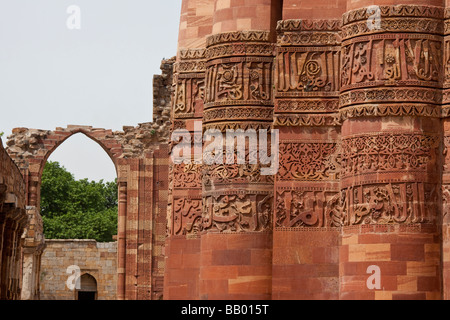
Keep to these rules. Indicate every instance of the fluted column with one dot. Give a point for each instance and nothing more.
(236, 241)
(391, 80)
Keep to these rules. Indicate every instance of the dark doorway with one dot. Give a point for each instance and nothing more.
(88, 288)
(86, 296)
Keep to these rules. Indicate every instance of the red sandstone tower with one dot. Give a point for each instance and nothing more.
(358, 208)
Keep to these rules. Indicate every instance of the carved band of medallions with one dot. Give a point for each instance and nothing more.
(188, 97)
(307, 72)
(391, 95)
(306, 120)
(392, 60)
(309, 39)
(303, 208)
(308, 161)
(238, 36)
(240, 49)
(237, 213)
(235, 81)
(307, 105)
(390, 110)
(389, 152)
(393, 203)
(237, 113)
(309, 25)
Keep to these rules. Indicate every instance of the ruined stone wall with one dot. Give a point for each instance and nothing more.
(140, 155)
(96, 259)
(13, 220)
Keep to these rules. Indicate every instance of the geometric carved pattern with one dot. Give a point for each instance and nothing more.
(388, 152)
(308, 161)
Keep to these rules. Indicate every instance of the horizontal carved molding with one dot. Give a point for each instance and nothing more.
(237, 113)
(378, 153)
(238, 36)
(390, 110)
(316, 38)
(309, 25)
(391, 95)
(295, 120)
(240, 49)
(428, 26)
(245, 125)
(320, 105)
(394, 11)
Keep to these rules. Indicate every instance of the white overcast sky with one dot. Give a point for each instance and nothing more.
(100, 75)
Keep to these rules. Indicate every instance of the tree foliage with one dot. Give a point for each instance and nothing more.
(77, 209)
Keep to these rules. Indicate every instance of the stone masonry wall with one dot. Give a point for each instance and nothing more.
(13, 219)
(96, 259)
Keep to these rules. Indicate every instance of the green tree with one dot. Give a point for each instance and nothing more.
(77, 209)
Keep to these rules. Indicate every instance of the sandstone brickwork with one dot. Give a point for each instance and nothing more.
(98, 260)
(358, 92)
(13, 221)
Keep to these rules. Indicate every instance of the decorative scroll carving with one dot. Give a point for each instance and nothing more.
(391, 95)
(304, 72)
(189, 95)
(233, 82)
(226, 174)
(236, 113)
(304, 208)
(402, 203)
(187, 216)
(307, 105)
(400, 59)
(308, 161)
(389, 152)
(238, 213)
(187, 176)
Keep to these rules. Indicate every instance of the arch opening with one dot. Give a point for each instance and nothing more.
(88, 288)
(79, 201)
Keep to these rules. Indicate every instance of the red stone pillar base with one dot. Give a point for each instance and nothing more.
(236, 266)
